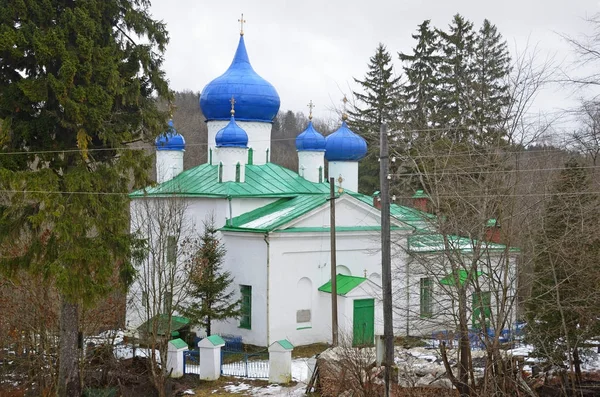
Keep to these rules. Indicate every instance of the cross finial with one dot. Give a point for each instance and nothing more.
(310, 108)
(340, 180)
(241, 21)
(232, 101)
(344, 114)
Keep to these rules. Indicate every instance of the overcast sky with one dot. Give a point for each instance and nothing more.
(312, 49)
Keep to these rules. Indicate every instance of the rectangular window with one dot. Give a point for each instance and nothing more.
(246, 309)
(171, 250)
(426, 307)
(482, 305)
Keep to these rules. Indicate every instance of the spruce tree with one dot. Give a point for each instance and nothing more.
(419, 92)
(563, 309)
(75, 89)
(377, 102)
(210, 284)
(491, 67)
(456, 78)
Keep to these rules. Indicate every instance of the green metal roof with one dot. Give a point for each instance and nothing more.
(463, 275)
(162, 325)
(413, 217)
(435, 243)
(216, 340)
(274, 215)
(178, 343)
(267, 180)
(285, 344)
(420, 194)
(344, 283)
(491, 223)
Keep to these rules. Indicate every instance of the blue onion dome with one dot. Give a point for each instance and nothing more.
(345, 145)
(232, 135)
(170, 140)
(310, 140)
(257, 98)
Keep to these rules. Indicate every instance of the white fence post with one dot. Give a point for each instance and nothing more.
(210, 357)
(175, 357)
(280, 361)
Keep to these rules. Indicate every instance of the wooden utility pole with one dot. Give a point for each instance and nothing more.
(334, 314)
(386, 258)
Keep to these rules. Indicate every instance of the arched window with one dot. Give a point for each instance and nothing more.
(341, 269)
(237, 172)
(220, 172)
(304, 299)
(320, 174)
(210, 156)
(250, 156)
(302, 171)
(267, 156)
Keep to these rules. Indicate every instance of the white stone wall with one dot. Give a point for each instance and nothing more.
(229, 158)
(309, 164)
(169, 164)
(259, 139)
(348, 170)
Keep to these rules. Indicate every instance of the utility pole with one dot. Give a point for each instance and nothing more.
(386, 258)
(334, 314)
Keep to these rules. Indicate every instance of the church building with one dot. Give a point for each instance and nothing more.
(275, 222)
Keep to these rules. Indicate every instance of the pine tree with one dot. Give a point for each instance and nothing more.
(210, 284)
(563, 309)
(75, 89)
(419, 92)
(377, 102)
(491, 68)
(456, 78)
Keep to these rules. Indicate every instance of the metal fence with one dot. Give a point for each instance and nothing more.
(248, 365)
(191, 362)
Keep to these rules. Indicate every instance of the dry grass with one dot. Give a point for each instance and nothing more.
(308, 351)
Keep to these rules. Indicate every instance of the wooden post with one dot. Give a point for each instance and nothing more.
(386, 260)
(334, 315)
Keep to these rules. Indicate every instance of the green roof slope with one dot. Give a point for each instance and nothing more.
(344, 284)
(271, 216)
(434, 242)
(267, 180)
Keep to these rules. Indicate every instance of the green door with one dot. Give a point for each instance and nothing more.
(364, 322)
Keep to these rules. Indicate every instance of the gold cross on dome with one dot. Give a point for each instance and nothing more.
(310, 108)
(232, 101)
(340, 188)
(344, 114)
(241, 21)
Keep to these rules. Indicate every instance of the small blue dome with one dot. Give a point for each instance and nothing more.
(256, 98)
(170, 140)
(345, 145)
(232, 135)
(310, 140)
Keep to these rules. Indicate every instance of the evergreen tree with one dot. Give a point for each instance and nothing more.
(378, 102)
(491, 68)
(563, 309)
(419, 92)
(456, 78)
(75, 88)
(210, 284)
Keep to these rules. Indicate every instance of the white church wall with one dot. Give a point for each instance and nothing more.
(169, 164)
(246, 259)
(348, 170)
(311, 165)
(349, 212)
(259, 139)
(229, 158)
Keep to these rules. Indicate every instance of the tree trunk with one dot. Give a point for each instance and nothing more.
(69, 384)
(464, 345)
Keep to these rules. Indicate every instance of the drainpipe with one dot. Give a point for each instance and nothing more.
(230, 212)
(268, 284)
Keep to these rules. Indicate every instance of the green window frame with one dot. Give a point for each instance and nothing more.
(210, 156)
(250, 156)
(220, 172)
(426, 297)
(246, 307)
(237, 172)
(482, 301)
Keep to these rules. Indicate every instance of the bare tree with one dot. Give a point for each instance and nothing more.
(162, 279)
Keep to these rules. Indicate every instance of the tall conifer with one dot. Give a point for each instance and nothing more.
(75, 88)
(377, 102)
